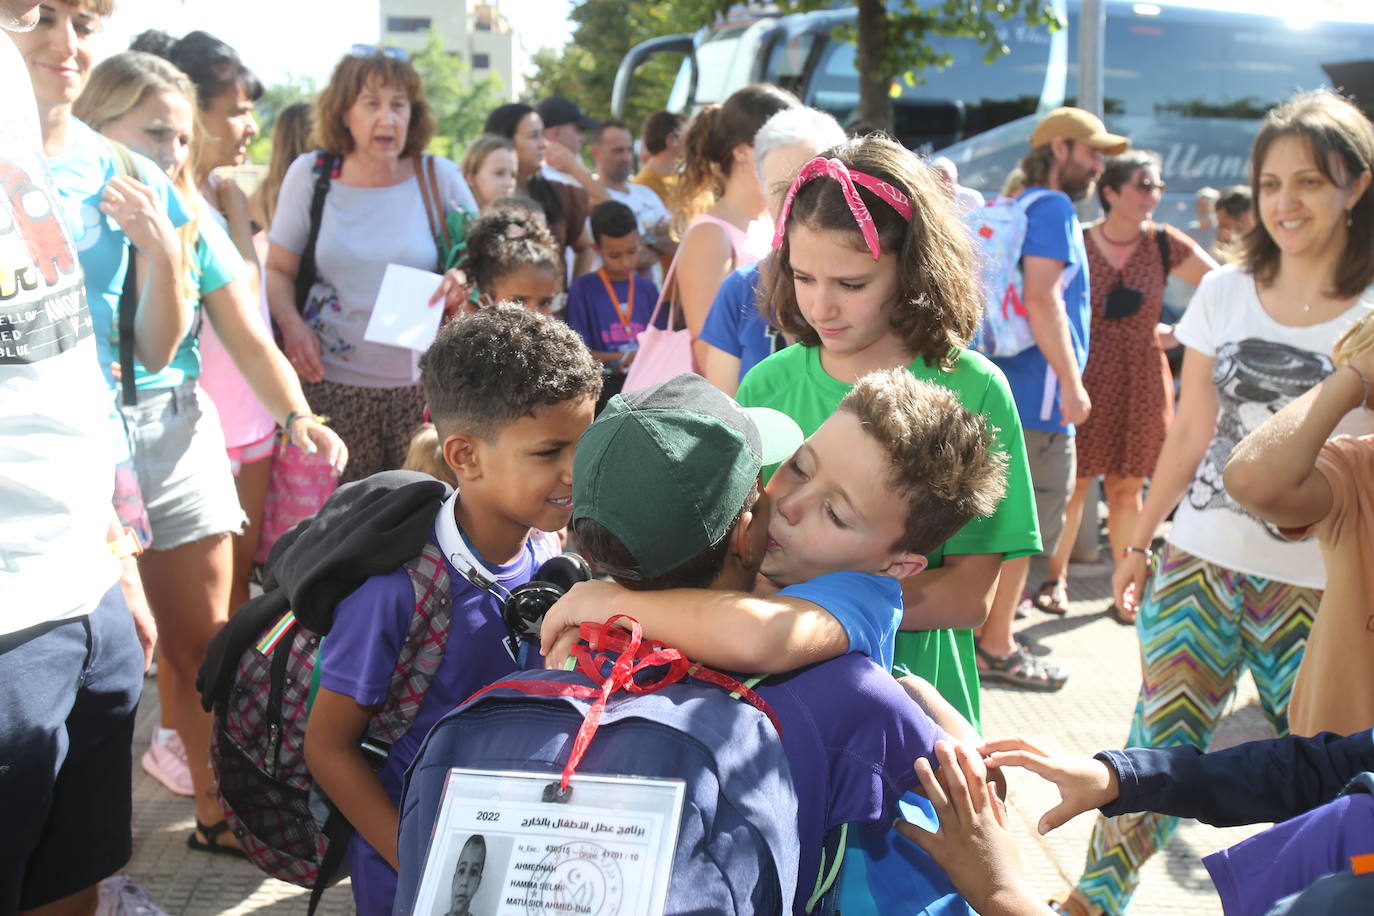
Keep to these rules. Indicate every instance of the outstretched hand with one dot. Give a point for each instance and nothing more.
(973, 845)
(1084, 783)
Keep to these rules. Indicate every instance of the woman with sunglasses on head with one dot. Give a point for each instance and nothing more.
(1130, 258)
(1226, 592)
(372, 116)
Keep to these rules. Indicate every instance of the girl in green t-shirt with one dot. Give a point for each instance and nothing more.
(873, 270)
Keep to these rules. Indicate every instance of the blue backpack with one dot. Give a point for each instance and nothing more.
(737, 848)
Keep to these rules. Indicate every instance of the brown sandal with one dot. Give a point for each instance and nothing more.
(1053, 597)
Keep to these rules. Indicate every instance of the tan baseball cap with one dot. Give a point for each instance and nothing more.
(1082, 126)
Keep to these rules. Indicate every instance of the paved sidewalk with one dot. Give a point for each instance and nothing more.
(1092, 712)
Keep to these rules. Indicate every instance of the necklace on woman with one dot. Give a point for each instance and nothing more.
(1131, 241)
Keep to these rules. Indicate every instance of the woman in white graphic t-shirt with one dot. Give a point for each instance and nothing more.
(1226, 592)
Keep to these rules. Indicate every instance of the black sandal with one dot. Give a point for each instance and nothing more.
(1053, 597)
(1021, 669)
(212, 844)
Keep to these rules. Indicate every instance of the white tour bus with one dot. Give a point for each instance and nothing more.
(1187, 80)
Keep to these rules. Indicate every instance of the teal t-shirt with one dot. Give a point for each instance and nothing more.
(81, 172)
(794, 382)
(214, 263)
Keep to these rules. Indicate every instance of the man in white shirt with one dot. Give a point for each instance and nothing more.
(613, 152)
(71, 665)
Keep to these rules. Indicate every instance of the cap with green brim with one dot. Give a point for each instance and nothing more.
(666, 469)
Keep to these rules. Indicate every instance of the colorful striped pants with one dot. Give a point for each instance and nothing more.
(1199, 625)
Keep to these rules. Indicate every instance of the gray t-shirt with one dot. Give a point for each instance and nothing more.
(362, 230)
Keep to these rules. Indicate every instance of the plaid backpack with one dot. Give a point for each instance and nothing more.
(285, 824)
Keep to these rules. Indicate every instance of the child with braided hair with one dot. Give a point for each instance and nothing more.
(512, 257)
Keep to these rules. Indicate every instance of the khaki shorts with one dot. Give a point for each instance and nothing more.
(1053, 463)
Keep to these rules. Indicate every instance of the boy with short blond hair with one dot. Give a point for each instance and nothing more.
(510, 392)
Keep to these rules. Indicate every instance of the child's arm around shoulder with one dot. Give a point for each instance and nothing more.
(1274, 472)
(735, 631)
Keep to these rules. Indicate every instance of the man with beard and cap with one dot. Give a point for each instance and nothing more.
(1046, 380)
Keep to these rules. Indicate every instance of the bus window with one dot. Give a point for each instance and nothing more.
(1224, 71)
(716, 64)
(964, 99)
(787, 62)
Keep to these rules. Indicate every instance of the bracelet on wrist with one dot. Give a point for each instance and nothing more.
(1131, 548)
(1364, 382)
(295, 415)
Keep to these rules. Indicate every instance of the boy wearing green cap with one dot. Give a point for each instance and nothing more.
(851, 509)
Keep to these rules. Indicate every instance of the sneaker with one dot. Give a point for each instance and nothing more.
(167, 764)
(120, 896)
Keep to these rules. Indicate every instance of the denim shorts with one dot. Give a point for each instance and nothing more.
(183, 468)
(68, 694)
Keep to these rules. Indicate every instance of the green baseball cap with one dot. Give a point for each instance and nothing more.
(667, 468)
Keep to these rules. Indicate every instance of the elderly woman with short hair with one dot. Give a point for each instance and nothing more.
(373, 115)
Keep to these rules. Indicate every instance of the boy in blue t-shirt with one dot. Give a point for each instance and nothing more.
(510, 393)
(610, 306)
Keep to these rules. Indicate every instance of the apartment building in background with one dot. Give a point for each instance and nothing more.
(474, 31)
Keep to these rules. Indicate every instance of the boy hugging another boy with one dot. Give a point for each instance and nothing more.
(667, 498)
(610, 306)
(899, 465)
(510, 393)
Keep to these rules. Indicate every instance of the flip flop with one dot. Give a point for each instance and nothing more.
(1053, 597)
(1021, 669)
(211, 843)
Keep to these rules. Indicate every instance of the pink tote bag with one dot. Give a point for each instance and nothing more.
(663, 354)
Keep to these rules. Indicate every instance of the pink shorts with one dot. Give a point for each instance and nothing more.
(253, 451)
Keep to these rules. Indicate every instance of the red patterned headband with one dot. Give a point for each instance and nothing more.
(846, 178)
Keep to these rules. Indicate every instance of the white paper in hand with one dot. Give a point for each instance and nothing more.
(403, 316)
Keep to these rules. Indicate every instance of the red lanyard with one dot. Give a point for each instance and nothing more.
(626, 313)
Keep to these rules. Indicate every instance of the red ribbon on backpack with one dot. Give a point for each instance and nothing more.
(635, 656)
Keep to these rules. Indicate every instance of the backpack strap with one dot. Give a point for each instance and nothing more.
(127, 167)
(325, 170)
(337, 832)
(426, 174)
(832, 859)
(423, 648)
(1162, 239)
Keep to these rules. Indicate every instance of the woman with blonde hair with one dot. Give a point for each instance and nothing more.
(147, 104)
(372, 120)
(722, 215)
(290, 138)
(1226, 592)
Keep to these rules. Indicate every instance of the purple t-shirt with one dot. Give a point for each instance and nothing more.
(359, 654)
(591, 313)
(846, 768)
(1255, 873)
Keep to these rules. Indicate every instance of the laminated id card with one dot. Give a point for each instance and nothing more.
(508, 843)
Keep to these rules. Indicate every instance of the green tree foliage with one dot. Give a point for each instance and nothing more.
(892, 38)
(584, 69)
(460, 101)
(274, 99)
